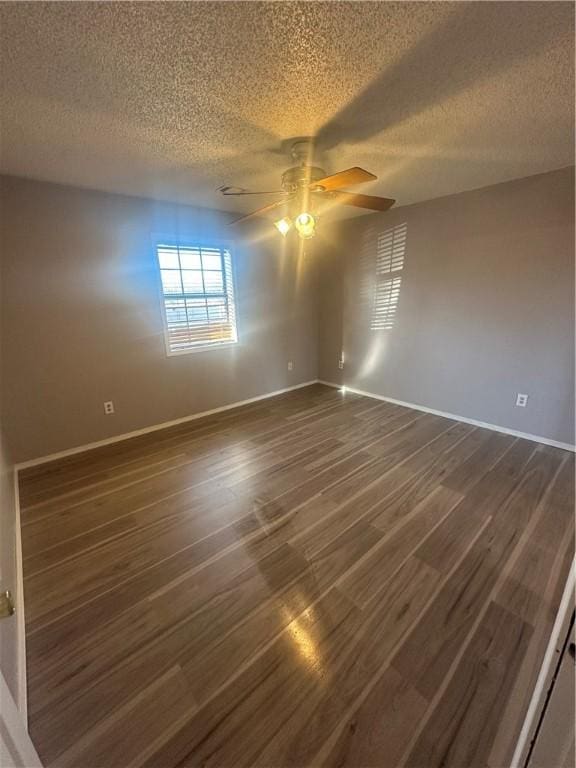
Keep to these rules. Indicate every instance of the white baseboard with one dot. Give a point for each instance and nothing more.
(163, 425)
(455, 417)
(155, 427)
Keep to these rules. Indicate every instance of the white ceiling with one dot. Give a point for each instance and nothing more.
(172, 100)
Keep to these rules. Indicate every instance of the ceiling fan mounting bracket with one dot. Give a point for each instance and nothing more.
(301, 149)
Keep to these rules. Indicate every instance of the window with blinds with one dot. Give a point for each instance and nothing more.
(390, 252)
(198, 296)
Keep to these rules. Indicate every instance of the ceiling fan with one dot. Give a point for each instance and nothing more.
(305, 187)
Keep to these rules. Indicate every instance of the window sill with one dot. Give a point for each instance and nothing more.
(204, 348)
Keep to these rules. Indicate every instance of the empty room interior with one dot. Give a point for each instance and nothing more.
(287, 384)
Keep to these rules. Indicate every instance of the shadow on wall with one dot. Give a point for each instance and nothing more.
(375, 297)
(390, 251)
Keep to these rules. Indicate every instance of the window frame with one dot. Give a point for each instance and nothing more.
(194, 242)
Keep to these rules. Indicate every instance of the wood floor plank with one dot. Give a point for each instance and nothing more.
(56, 475)
(53, 680)
(74, 493)
(124, 735)
(373, 571)
(471, 471)
(187, 481)
(531, 590)
(300, 736)
(89, 699)
(208, 433)
(184, 504)
(56, 672)
(208, 462)
(248, 635)
(424, 471)
(271, 588)
(53, 592)
(404, 441)
(266, 693)
(180, 562)
(463, 723)
(380, 663)
(387, 492)
(315, 579)
(51, 645)
(381, 728)
(298, 714)
(426, 656)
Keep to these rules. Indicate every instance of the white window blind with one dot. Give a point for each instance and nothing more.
(389, 262)
(198, 296)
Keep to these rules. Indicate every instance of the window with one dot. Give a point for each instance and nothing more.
(198, 296)
(389, 262)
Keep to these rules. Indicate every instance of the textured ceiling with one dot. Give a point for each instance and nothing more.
(171, 100)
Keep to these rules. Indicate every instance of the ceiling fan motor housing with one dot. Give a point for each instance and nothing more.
(300, 177)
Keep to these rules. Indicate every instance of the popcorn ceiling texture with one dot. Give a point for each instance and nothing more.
(171, 100)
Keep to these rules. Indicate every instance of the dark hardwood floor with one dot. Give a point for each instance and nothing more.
(316, 579)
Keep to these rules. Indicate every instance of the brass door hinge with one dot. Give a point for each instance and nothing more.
(6, 604)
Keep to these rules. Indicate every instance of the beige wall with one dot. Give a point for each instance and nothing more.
(83, 318)
(486, 307)
(486, 310)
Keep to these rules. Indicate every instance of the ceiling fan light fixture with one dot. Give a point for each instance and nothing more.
(306, 225)
(283, 225)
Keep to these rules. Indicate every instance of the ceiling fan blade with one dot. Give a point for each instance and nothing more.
(259, 211)
(344, 179)
(362, 201)
(238, 192)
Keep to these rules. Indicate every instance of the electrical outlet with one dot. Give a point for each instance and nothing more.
(108, 407)
(290, 365)
(341, 364)
(521, 400)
